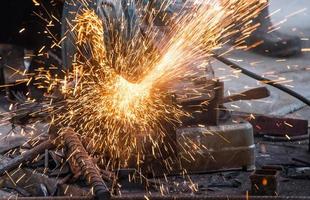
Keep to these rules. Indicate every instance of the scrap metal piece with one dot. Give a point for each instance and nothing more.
(265, 182)
(276, 126)
(30, 181)
(89, 170)
(27, 156)
(7, 183)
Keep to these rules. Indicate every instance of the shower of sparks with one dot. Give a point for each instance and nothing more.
(115, 111)
(126, 105)
(120, 94)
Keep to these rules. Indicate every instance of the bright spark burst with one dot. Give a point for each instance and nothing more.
(104, 105)
(119, 94)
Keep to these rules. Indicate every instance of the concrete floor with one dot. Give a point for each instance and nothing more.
(296, 14)
(295, 71)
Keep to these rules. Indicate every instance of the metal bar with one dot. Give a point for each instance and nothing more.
(255, 93)
(27, 156)
(275, 126)
(88, 168)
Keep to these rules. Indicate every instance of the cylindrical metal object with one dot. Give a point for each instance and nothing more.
(89, 170)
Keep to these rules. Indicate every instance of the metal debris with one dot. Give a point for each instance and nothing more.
(27, 156)
(89, 170)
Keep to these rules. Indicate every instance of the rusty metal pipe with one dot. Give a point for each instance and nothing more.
(89, 170)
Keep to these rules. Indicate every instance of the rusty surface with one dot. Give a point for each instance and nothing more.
(88, 168)
(277, 126)
(27, 156)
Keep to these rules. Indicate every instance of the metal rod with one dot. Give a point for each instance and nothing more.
(27, 156)
(89, 170)
(262, 79)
